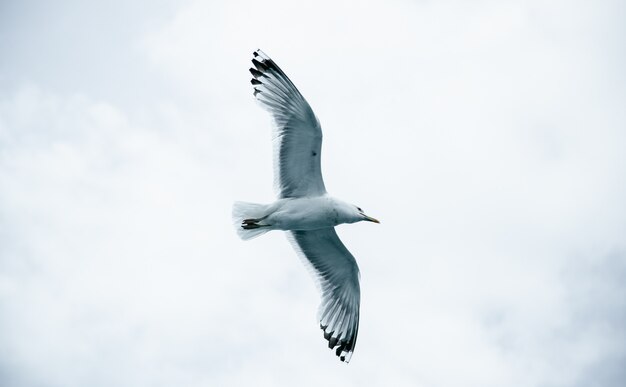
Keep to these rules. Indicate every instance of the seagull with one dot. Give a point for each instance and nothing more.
(303, 208)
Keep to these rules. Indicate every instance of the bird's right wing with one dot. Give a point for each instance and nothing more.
(338, 276)
(298, 135)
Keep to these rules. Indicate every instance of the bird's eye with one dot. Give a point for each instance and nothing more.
(359, 208)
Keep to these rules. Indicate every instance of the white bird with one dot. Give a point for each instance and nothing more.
(303, 208)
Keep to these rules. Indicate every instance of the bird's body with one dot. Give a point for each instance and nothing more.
(305, 213)
(304, 209)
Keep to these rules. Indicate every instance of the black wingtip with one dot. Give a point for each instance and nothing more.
(255, 81)
(259, 65)
(255, 73)
(327, 335)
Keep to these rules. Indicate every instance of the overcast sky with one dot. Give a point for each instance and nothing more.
(488, 137)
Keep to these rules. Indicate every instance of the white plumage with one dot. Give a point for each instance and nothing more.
(303, 208)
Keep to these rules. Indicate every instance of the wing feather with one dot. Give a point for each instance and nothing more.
(338, 278)
(298, 134)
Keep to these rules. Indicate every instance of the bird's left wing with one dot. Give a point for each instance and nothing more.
(338, 276)
(298, 135)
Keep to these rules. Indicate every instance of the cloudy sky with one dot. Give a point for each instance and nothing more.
(488, 137)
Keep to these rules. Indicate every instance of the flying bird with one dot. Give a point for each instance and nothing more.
(303, 208)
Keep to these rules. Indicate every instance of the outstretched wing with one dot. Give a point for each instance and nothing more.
(338, 276)
(298, 135)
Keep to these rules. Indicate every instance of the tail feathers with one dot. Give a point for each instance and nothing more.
(247, 218)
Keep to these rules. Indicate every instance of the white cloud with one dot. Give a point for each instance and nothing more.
(486, 136)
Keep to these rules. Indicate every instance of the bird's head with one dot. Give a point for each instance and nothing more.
(356, 214)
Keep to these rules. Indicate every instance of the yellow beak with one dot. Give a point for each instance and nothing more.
(370, 219)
